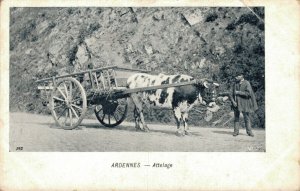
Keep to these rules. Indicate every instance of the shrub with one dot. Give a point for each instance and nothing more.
(72, 54)
(27, 30)
(230, 26)
(93, 27)
(70, 11)
(248, 18)
(211, 17)
(51, 24)
(34, 39)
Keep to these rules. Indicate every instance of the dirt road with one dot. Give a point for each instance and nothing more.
(29, 132)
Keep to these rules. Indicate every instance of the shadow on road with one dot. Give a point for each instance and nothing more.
(163, 132)
(121, 128)
(131, 129)
(99, 126)
(223, 132)
(226, 132)
(51, 125)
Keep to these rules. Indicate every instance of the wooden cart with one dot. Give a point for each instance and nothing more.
(103, 89)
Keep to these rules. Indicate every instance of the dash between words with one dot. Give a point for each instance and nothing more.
(139, 165)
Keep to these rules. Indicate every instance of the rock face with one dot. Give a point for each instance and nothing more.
(195, 41)
(193, 17)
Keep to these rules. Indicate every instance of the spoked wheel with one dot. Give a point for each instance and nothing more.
(112, 112)
(68, 103)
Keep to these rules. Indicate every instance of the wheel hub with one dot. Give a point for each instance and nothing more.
(110, 107)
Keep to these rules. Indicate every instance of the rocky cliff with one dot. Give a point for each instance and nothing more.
(202, 42)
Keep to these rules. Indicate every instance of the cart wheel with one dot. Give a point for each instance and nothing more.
(112, 112)
(68, 103)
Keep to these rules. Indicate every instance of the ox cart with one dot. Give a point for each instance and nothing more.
(102, 89)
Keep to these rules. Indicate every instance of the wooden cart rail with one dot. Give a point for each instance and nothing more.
(126, 92)
(90, 71)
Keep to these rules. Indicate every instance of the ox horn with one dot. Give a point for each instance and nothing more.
(216, 84)
(205, 82)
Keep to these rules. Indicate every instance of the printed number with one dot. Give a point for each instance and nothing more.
(19, 148)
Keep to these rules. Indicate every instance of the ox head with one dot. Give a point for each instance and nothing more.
(209, 95)
(209, 90)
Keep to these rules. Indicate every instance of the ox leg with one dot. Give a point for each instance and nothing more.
(185, 120)
(177, 122)
(145, 126)
(139, 113)
(178, 118)
(136, 119)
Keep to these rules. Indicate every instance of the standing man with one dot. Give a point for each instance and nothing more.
(243, 100)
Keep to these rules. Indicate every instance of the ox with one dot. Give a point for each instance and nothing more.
(180, 99)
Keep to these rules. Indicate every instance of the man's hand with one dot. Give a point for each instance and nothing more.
(241, 93)
(238, 92)
(234, 103)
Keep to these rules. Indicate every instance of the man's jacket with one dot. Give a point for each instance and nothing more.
(244, 97)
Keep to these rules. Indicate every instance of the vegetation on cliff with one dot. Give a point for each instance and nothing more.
(201, 42)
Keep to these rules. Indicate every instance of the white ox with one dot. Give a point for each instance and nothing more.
(180, 99)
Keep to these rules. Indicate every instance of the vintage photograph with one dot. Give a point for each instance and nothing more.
(137, 79)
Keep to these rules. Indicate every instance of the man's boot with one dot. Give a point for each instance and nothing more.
(236, 129)
(249, 129)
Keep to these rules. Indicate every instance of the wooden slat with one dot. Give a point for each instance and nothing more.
(103, 80)
(45, 87)
(77, 73)
(93, 70)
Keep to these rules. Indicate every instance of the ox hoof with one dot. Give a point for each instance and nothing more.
(142, 130)
(187, 133)
(179, 134)
(138, 129)
(146, 129)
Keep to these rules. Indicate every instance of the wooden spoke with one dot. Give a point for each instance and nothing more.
(61, 93)
(115, 116)
(75, 100)
(76, 115)
(73, 105)
(57, 98)
(71, 118)
(65, 115)
(58, 107)
(66, 89)
(62, 113)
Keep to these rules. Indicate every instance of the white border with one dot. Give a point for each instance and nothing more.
(278, 168)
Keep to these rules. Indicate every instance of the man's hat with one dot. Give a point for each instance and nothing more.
(239, 72)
